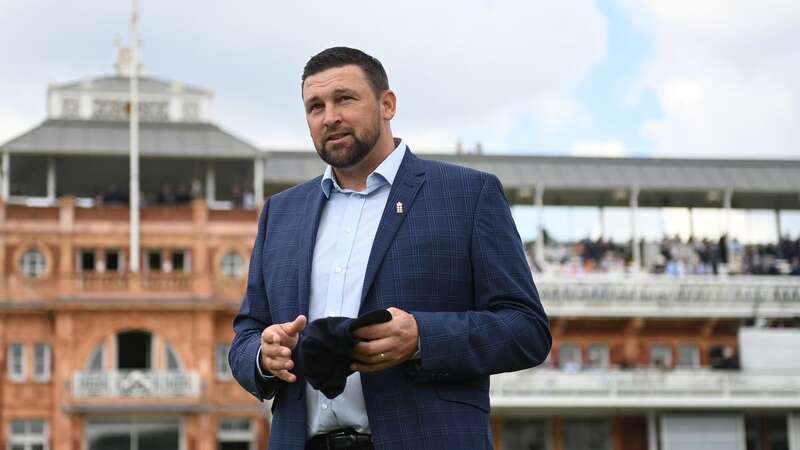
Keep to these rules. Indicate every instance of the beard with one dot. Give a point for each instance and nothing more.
(346, 155)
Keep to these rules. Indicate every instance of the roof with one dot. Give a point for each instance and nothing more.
(605, 181)
(147, 85)
(108, 138)
(559, 172)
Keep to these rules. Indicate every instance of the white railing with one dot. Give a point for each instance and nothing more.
(611, 295)
(135, 383)
(645, 388)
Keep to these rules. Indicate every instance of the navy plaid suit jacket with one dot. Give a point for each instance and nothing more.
(453, 259)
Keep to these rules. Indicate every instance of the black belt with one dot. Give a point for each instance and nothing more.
(346, 439)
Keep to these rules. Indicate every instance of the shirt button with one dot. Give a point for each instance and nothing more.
(339, 269)
(324, 406)
(347, 229)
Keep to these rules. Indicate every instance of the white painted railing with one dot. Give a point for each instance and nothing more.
(644, 387)
(647, 295)
(135, 383)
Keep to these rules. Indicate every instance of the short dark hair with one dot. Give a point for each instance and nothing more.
(334, 57)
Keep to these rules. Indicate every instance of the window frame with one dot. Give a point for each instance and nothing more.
(47, 364)
(226, 263)
(39, 267)
(221, 350)
(27, 439)
(13, 374)
(248, 436)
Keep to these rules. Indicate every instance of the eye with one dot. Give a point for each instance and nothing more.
(314, 107)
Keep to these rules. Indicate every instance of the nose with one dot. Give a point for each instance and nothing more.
(332, 117)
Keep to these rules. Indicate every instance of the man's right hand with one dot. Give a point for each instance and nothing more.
(277, 343)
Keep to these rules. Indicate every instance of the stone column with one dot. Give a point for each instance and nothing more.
(636, 250)
(539, 202)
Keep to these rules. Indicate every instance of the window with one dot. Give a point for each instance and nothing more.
(134, 350)
(191, 111)
(32, 264)
(87, 260)
(232, 264)
(660, 356)
(41, 361)
(597, 356)
(28, 435)
(113, 261)
(70, 108)
(97, 361)
(688, 356)
(154, 260)
(528, 434)
(221, 361)
(235, 433)
(147, 433)
(570, 358)
(180, 261)
(588, 434)
(171, 359)
(16, 361)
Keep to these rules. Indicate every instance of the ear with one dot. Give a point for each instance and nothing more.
(388, 104)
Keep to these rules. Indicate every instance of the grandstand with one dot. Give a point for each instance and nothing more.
(643, 357)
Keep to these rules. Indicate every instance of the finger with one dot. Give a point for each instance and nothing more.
(295, 326)
(285, 375)
(370, 349)
(373, 332)
(360, 367)
(275, 351)
(278, 364)
(274, 335)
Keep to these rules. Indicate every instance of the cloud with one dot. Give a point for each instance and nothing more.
(725, 74)
(607, 149)
(458, 67)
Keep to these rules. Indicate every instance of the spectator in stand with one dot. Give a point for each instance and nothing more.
(165, 195)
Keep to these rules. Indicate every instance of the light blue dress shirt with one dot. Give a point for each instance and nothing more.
(345, 235)
(344, 240)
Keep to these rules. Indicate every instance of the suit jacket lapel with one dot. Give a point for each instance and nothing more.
(315, 200)
(409, 178)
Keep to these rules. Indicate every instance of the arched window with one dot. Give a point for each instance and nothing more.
(33, 264)
(232, 264)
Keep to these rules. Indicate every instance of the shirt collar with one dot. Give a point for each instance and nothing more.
(387, 170)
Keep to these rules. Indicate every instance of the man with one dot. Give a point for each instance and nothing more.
(433, 243)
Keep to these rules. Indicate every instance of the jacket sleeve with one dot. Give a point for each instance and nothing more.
(253, 318)
(507, 328)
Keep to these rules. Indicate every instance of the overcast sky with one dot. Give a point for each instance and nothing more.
(607, 77)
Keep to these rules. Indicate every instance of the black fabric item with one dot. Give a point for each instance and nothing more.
(344, 439)
(324, 351)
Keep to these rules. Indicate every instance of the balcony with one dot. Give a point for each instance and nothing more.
(135, 384)
(661, 296)
(637, 389)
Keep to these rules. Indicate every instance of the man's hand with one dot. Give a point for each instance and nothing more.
(277, 343)
(386, 344)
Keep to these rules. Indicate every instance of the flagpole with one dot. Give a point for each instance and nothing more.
(134, 139)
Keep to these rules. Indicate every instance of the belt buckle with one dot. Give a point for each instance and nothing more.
(341, 440)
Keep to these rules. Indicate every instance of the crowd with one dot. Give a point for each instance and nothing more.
(170, 195)
(676, 257)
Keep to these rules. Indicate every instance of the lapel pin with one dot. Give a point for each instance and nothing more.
(399, 207)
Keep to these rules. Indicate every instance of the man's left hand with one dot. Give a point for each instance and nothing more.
(386, 344)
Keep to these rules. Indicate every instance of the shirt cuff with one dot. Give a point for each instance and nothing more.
(417, 354)
(268, 376)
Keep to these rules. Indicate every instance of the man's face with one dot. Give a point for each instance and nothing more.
(343, 115)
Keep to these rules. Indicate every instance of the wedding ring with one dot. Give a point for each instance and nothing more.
(383, 356)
